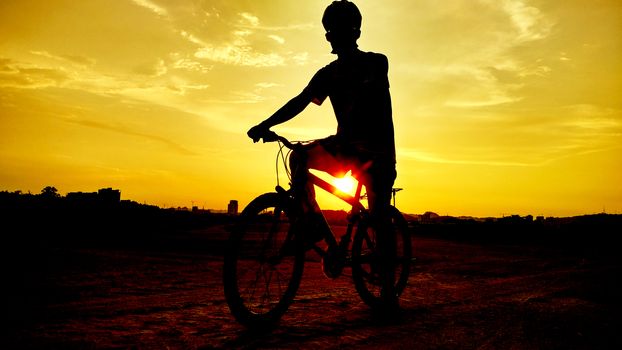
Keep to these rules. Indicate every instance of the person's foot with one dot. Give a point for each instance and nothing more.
(333, 262)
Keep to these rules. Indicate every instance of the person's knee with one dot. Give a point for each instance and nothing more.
(296, 161)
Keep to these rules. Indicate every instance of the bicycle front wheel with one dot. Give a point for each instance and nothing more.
(367, 264)
(263, 262)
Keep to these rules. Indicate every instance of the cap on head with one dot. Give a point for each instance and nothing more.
(342, 15)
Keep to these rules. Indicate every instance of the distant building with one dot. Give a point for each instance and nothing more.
(82, 197)
(232, 208)
(109, 195)
(429, 217)
(106, 196)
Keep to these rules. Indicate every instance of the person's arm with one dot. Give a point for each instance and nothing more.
(285, 113)
(289, 110)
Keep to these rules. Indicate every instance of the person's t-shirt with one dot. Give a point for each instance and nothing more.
(358, 88)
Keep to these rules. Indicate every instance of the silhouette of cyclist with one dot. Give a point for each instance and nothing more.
(358, 87)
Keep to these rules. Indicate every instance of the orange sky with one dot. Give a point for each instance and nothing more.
(500, 106)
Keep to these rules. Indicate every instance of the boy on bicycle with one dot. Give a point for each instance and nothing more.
(358, 87)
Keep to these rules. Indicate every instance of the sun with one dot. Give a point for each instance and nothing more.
(346, 183)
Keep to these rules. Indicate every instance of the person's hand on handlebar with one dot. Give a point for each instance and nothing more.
(259, 131)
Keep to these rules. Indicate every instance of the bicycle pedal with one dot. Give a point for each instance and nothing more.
(331, 269)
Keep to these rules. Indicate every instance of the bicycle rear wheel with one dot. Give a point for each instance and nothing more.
(263, 262)
(367, 268)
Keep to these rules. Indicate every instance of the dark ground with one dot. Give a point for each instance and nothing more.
(461, 295)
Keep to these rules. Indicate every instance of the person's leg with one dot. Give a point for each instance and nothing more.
(314, 156)
(379, 185)
(298, 160)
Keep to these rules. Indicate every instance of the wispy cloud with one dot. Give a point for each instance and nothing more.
(236, 54)
(127, 131)
(265, 85)
(249, 19)
(191, 65)
(594, 118)
(528, 20)
(157, 69)
(157, 9)
(239, 50)
(26, 75)
(301, 58)
(481, 66)
(73, 59)
(277, 38)
(484, 88)
(7, 65)
(191, 38)
(29, 76)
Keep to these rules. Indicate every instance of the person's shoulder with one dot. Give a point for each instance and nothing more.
(377, 59)
(325, 72)
(375, 55)
(332, 65)
(327, 67)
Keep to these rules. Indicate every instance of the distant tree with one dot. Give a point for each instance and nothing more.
(50, 192)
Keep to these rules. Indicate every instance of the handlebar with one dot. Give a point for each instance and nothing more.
(271, 136)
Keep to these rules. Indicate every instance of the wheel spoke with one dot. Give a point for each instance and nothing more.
(367, 268)
(261, 276)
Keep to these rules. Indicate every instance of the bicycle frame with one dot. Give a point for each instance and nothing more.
(357, 209)
(354, 201)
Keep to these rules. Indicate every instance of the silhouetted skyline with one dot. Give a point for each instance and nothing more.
(112, 196)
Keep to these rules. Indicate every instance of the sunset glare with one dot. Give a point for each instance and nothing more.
(500, 106)
(345, 184)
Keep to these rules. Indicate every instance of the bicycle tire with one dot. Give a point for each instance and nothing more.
(261, 272)
(366, 265)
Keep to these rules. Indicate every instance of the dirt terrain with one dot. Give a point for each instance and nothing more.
(460, 296)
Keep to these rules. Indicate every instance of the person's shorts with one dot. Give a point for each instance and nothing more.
(375, 171)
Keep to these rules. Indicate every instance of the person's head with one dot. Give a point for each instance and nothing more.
(342, 22)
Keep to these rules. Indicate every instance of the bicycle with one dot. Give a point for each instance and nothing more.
(265, 253)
